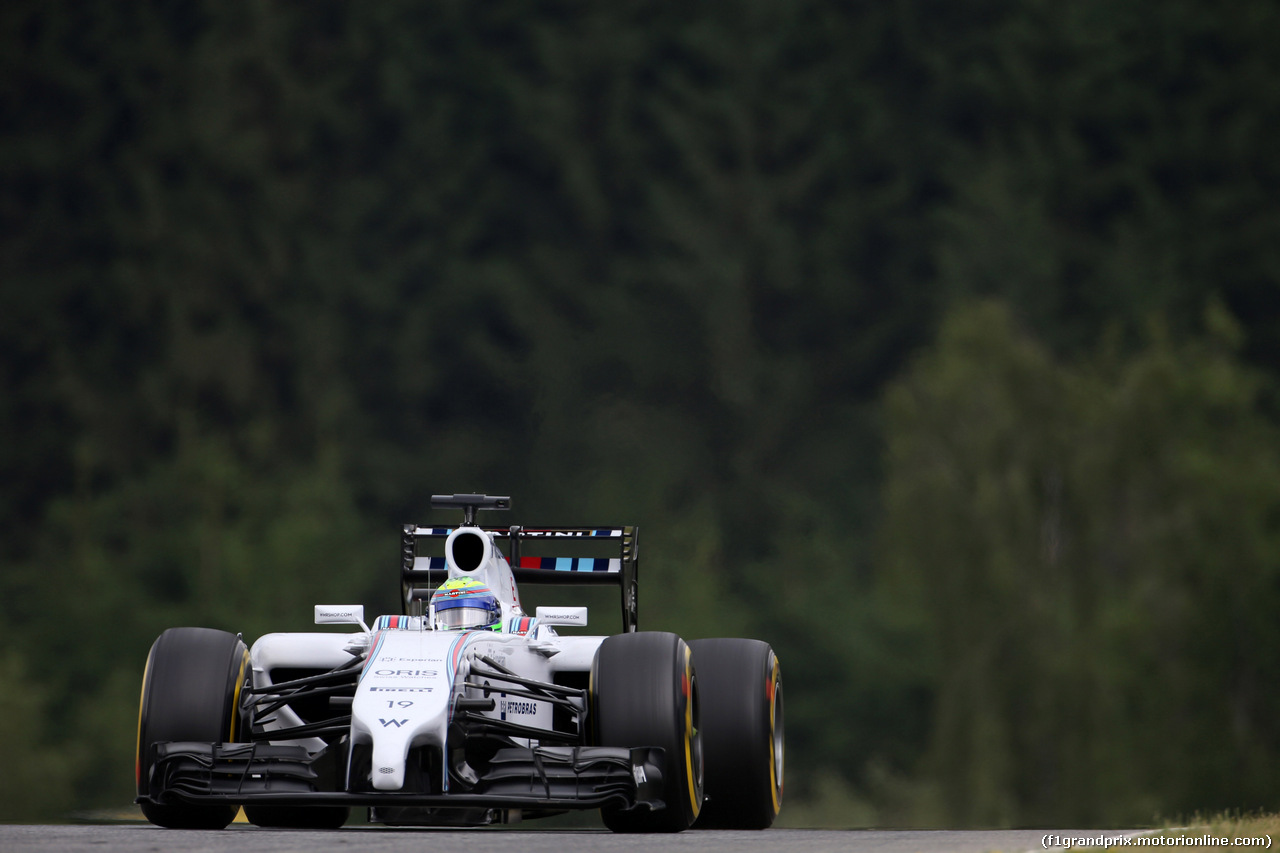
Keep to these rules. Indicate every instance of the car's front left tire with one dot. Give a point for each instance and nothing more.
(644, 692)
(190, 692)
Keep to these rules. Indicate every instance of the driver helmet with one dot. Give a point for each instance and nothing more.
(465, 603)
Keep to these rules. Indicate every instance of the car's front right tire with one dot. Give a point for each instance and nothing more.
(190, 691)
(742, 719)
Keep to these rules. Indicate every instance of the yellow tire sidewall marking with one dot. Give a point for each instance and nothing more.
(142, 700)
(695, 802)
(774, 786)
(235, 701)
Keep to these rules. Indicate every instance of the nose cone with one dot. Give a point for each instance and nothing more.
(388, 764)
(402, 700)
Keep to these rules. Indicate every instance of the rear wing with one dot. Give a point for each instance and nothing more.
(419, 568)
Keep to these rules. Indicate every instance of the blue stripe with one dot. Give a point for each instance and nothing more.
(575, 564)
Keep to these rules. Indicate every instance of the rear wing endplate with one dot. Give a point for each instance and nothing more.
(419, 569)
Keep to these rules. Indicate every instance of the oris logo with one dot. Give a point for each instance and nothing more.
(407, 673)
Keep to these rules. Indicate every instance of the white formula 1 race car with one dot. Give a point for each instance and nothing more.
(464, 710)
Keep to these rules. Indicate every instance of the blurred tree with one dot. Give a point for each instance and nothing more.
(271, 274)
(1111, 161)
(37, 781)
(1093, 549)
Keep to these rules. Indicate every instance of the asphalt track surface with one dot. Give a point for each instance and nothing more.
(240, 838)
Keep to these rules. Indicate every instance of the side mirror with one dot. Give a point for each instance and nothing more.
(341, 614)
(576, 616)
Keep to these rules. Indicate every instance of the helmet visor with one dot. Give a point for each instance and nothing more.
(466, 617)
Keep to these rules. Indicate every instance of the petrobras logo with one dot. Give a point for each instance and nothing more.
(512, 706)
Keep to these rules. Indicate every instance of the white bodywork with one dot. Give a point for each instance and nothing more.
(412, 675)
(295, 651)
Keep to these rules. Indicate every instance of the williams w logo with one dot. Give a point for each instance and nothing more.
(396, 723)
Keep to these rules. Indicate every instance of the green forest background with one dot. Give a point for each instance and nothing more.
(935, 343)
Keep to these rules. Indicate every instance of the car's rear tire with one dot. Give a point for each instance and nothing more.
(190, 690)
(297, 817)
(644, 692)
(742, 732)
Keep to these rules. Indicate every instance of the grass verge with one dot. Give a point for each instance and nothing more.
(1234, 832)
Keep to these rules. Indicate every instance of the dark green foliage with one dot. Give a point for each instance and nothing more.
(1094, 549)
(271, 274)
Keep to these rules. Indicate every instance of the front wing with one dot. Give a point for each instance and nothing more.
(544, 777)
